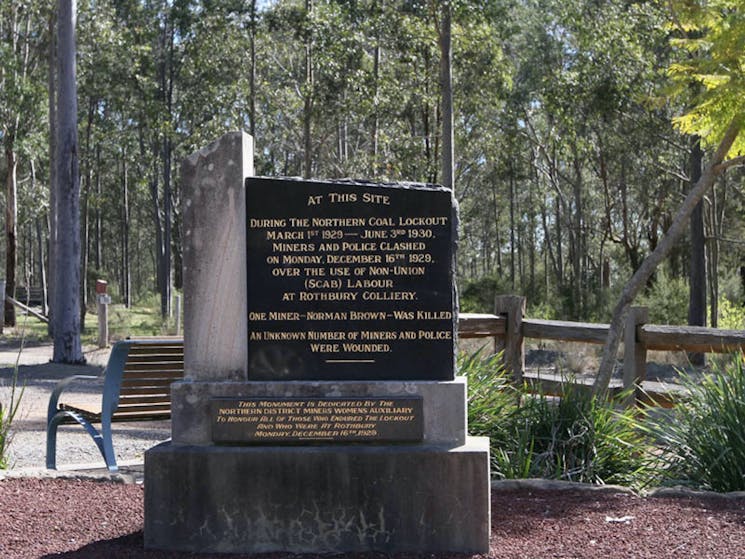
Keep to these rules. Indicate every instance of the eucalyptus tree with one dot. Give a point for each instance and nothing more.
(713, 60)
(22, 25)
(582, 71)
(67, 346)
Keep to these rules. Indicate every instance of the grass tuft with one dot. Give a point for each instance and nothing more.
(702, 440)
(577, 437)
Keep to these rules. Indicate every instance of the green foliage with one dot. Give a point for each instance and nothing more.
(144, 319)
(577, 437)
(702, 441)
(8, 412)
(667, 300)
(710, 37)
(491, 397)
(731, 315)
(478, 295)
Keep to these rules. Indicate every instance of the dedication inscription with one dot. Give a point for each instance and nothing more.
(283, 420)
(349, 281)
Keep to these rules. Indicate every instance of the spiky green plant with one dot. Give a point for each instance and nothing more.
(577, 437)
(8, 413)
(702, 440)
(580, 437)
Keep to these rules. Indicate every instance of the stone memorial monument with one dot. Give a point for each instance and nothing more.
(319, 410)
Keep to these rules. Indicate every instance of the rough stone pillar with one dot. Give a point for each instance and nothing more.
(214, 214)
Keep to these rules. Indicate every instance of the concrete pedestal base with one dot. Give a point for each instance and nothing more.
(386, 498)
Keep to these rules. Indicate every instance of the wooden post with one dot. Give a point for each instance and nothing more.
(2, 306)
(177, 306)
(102, 310)
(512, 307)
(634, 354)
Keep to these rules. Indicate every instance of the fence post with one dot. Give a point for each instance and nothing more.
(178, 314)
(102, 310)
(634, 354)
(512, 307)
(2, 305)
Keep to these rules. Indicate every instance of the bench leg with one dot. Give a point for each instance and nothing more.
(92, 431)
(107, 448)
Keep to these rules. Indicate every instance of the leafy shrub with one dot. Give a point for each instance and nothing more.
(702, 440)
(667, 300)
(478, 295)
(577, 437)
(731, 315)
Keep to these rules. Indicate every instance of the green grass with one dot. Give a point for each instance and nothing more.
(141, 320)
(8, 412)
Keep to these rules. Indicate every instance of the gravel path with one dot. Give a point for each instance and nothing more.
(75, 448)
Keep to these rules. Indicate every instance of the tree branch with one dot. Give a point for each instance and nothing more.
(734, 162)
(640, 277)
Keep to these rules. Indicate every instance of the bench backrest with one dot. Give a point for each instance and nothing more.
(138, 378)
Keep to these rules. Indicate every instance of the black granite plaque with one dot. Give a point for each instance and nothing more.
(350, 281)
(299, 420)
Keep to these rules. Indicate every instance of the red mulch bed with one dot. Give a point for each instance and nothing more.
(67, 518)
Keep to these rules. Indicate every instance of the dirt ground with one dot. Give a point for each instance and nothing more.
(73, 518)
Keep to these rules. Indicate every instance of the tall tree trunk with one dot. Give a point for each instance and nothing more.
(717, 219)
(83, 255)
(126, 273)
(165, 288)
(85, 226)
(42, 265)
(697, 269)
(52, 215)
(67, 347)
(374, 132)
(579, 238)
(637, 281)
(11, 229)
(513, 193)
(167, 72)
(252, 72)
(446, 90)
(496, 206)
(308, 95)
(98, 226)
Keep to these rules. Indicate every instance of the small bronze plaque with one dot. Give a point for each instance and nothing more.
(298, 420)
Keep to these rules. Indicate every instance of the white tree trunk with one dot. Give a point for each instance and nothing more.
(640, 277)
(52, 171)
(67, 348)
(446, 89)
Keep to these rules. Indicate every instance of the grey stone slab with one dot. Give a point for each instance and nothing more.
(214, 258)
(419, 498)
(444, 411)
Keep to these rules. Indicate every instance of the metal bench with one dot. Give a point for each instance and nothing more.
(136, 387)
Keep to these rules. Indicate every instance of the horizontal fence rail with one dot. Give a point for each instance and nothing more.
(509, 328)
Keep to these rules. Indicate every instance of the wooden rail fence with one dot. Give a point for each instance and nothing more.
(509, 328)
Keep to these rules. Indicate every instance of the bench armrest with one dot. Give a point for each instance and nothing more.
(59, 388)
